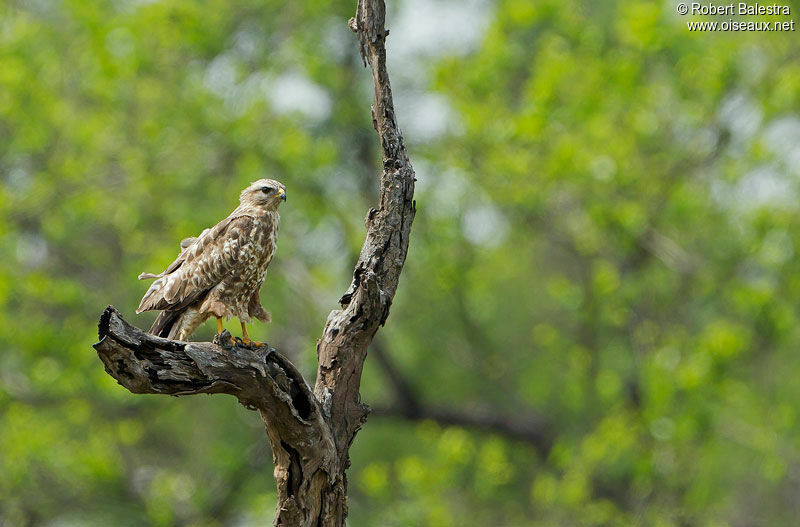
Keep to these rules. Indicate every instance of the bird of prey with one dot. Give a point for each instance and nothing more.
(220, 272)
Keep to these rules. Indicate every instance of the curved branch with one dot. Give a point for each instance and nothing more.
(302, 444)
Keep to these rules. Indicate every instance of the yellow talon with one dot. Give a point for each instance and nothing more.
(246, 338)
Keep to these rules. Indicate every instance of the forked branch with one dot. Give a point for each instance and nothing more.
(263, 380)
(310, 433)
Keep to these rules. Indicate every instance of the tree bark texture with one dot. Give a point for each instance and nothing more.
(310, 431)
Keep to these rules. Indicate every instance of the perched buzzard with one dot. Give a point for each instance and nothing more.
(220, 272)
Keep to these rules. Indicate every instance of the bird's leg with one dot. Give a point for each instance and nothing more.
(246, 338)
(220, 328)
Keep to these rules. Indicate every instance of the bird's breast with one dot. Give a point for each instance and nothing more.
(259, 249)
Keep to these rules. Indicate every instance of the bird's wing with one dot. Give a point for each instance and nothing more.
(202, 264)
(185, 244)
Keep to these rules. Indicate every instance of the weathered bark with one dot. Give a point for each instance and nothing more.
(342, 349)
(306, 464)
(310, 432)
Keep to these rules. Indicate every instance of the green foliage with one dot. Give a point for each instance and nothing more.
(606, 237)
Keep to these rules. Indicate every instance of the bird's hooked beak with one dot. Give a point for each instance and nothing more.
(282, 194)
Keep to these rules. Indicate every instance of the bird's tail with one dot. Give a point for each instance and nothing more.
(167, 324)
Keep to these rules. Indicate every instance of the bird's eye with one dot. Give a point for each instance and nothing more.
(266, 190)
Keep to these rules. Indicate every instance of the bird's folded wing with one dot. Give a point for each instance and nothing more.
(185, 244)
(202, 264)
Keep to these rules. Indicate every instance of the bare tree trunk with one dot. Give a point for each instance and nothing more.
(310, 431)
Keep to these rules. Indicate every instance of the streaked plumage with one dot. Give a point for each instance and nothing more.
(220, 272)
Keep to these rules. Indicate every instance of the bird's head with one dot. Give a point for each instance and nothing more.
(264, 194)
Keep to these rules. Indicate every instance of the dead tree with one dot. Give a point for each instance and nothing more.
(310, 431)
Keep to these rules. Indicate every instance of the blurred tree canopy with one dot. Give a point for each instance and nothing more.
(605, 250)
